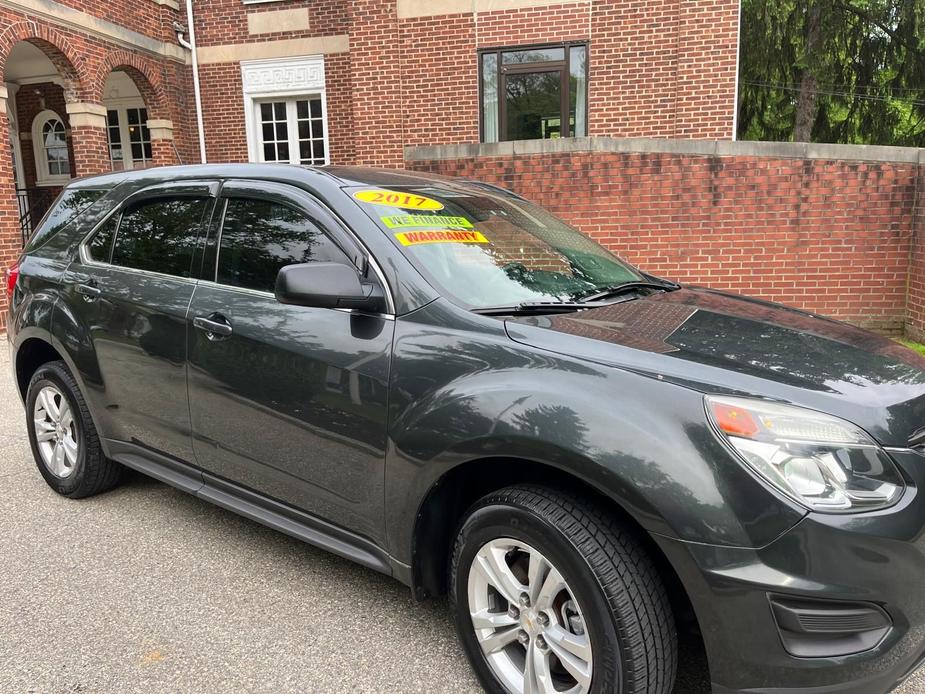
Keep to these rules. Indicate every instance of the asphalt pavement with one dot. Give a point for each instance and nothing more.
(147, 589)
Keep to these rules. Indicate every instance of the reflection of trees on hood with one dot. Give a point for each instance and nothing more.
(845, 71)
(746, 346)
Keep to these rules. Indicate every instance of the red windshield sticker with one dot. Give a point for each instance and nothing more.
(413, 238)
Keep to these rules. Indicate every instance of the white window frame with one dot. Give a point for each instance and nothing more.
(285, 79)
(123, 106)
(42, 175)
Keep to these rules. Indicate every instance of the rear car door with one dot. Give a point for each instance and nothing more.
(131, 287)
(288, 401)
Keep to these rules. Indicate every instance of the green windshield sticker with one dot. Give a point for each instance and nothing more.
(404, 221)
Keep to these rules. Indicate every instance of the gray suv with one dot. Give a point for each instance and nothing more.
(445, 383)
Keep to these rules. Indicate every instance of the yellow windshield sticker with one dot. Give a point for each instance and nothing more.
(403, 221)
(413, 238)
(406, 201)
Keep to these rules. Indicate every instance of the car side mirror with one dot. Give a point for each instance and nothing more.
(327, 285)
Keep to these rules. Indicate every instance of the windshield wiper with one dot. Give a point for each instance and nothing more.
(533, 307)
(626, 287)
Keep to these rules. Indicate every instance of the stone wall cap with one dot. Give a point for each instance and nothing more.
(710, 148)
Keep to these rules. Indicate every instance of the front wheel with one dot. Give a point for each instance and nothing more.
(551, 595)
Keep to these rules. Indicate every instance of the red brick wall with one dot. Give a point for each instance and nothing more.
(29, 100)
(831, 237)
(916, 317)
(84, 61)
(658, 68)
(225, 21)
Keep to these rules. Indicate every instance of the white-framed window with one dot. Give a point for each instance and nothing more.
(49, 142)
(292, 131)
(285, 110)
(129, 139)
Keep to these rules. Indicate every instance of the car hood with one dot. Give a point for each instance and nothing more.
(718, 342)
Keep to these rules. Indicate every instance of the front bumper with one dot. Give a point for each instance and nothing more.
(873, 558)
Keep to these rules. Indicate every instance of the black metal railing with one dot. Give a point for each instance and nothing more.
(33, 204)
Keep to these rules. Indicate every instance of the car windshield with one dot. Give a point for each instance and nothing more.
(486, 247)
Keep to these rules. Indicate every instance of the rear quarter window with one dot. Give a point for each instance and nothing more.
(67, 208)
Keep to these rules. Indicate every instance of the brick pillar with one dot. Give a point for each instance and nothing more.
(88, 137)
(376, 77)
(162, 149)
(915, 306)
(10, 234)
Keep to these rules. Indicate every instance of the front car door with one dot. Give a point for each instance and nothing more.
(131, 288)
(287, 401)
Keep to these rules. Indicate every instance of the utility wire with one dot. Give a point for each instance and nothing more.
(850, 95)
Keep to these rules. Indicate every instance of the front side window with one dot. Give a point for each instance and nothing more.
(159, 235)
(292, 131)
(258, 237)
(534, 93)
(49, 139)
(486, 247)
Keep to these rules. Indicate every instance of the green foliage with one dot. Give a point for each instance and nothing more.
(863, 61)
(917, 346)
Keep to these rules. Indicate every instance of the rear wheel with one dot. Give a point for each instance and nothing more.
(64, 441)
(551, 595)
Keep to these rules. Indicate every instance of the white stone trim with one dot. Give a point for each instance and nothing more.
(284, 78)
(267, 50)
(160, 129)
(708, 148)
(86, 115)
(407, 9)
(274, 21)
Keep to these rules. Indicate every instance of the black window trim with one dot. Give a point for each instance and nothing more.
(186, 188)
(561, 66)
(306, 203)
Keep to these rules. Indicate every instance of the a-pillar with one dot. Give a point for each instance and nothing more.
(88, 136)
(11, 239)
(163, 152)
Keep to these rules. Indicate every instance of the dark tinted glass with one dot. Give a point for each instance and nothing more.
(534, 105)
(160, 235)
(260, 237)
(101, 243)
(533, 55)
(69, 205)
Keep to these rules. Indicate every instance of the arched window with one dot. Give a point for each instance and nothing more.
(49, 140)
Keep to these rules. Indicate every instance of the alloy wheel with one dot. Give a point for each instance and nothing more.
(55, 432)
(527, 621)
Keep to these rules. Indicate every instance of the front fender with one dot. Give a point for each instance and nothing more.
(464, 394)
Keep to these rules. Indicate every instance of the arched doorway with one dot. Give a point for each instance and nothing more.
(128, 136)
(40, 81)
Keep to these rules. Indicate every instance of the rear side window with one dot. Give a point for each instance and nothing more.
(160, 235)
(259, 237)
(69, 205)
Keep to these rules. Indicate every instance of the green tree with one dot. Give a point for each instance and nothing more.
(848, 71)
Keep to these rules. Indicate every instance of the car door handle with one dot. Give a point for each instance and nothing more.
(88, 291)
(215, 326)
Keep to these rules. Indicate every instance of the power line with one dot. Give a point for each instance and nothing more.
(850, 95)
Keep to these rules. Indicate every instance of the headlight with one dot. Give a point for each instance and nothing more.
(824, 463)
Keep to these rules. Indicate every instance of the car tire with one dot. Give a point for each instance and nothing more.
(611, 592)
(64, 440)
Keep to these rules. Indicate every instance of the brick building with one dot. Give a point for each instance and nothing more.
(585, 105)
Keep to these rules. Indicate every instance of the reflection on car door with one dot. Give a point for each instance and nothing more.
(132, 287)
(288, 401)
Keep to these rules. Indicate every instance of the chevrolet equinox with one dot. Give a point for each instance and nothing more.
(441, 381)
